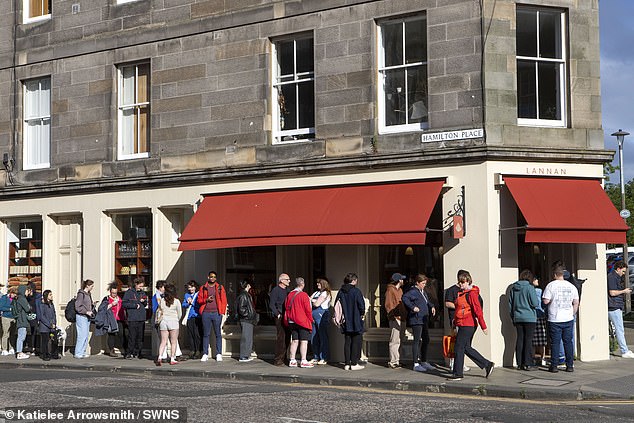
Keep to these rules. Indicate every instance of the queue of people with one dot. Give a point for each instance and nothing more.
(540, 318)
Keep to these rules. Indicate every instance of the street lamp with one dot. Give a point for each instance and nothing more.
(620, 137)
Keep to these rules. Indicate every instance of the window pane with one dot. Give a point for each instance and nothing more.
(305, 55)
(288, 108)
(127, 91)
(393, 43)
(143, 130)
(549, 95)
(285, 58)
(45, 97)
(127, 131)
(43, 147)
(31, 105)
(526, 90)
(30, 143)
(35, 8)
(417, 94)
(395, 107)
(526, 33)
(415, 41)
(550, 35)
(306, 105)
(142, 83)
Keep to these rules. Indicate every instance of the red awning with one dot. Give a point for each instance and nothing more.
(391, 213)
(565, 210)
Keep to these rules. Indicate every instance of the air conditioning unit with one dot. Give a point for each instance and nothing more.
(26, 233)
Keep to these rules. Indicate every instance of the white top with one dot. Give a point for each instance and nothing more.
(326, 304)
(174, 312)
(561, 294)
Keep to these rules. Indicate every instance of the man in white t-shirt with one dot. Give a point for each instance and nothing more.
(562, 299)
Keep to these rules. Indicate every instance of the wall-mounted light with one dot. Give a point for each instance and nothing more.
(409, 251)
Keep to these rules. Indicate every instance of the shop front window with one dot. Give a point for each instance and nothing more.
(408, 261)
(25, 253)
(133, 249)
(257, 264)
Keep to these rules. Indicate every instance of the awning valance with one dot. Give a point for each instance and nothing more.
(389, 213)
(566, 210)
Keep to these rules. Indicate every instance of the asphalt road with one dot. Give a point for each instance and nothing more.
(226, 401)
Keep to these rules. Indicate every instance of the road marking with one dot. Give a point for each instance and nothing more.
(291, 419)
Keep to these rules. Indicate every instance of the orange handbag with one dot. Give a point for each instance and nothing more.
(448, 345)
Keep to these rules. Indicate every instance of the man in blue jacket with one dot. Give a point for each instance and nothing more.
(418, 309)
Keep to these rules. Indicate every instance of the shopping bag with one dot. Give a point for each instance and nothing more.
(448, 345)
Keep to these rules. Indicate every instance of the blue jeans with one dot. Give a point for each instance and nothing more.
(616, 317)
(561, 332)
(212, 320)
(83, 328)
(319, 336)
(562, 357)
(20, 341)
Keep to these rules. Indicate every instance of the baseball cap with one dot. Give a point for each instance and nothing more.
(398, 277)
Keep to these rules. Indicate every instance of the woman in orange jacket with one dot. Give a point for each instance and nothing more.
(468, 316)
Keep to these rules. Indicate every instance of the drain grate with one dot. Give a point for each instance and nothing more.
(546, 382)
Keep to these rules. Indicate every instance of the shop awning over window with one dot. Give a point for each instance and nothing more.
(390, 213)
(566, 210)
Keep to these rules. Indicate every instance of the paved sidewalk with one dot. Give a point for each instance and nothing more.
(612, 379)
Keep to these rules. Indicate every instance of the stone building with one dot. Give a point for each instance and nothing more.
(253, 137)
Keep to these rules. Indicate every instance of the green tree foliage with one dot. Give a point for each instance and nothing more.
(614, 192)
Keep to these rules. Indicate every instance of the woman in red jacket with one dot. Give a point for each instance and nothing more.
(468, 316)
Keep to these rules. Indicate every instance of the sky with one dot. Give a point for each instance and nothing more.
(616, 24)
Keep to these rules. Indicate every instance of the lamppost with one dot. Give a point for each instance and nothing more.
(620, 137)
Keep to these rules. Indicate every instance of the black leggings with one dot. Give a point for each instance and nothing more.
(421, 341)
(45, 338)
(524, 343)
(352, 348)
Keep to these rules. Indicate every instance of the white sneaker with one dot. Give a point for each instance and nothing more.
(292, 363)
(346, 367)
(427, 366)
(4, 352)
(205, 357)
(218, 357)
(466, 368)
(322, 362)
(11, 351)
(22, 356)
(418, 367)
(357, 367)
(245, 360)
(628, 354)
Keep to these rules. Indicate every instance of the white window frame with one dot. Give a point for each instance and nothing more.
(563, 97)
(381, 68)
(26, 13)
(136, 105)
(298, 77)
(40, 119)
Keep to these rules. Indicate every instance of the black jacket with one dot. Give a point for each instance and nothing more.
(244, 308)
(134, 303)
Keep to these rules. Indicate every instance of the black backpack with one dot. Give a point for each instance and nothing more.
(70, 313)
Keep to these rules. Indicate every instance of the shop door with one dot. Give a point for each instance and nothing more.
(69, 259)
